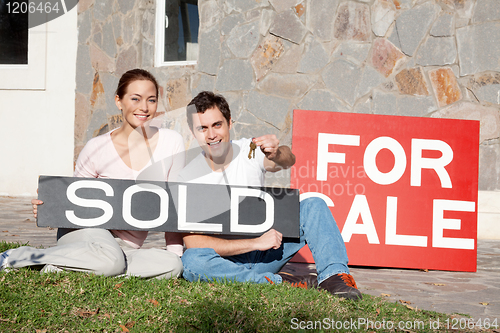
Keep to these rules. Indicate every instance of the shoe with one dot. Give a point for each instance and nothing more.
(342, 285)
(4, 260)
(50, 269)
(300, 281)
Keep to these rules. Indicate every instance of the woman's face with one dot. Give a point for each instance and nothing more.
(139, 103)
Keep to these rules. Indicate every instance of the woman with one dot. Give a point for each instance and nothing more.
(133, 151)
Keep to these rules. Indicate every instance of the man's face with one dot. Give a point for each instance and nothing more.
(211, 130)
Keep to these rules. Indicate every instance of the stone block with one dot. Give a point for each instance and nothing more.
(322, 100)
(363, 106)
(109, 84)
(84, 70)
(437, 51)
(342, 77)
(235, 102)
(178, 93)
(97, 97)
(319, 18)
(210, 14)
(102, 10)
(445, 86)
(98, 124)
(288, 26)
(117, 27)
(84, 27)
(462, 7)
(270, 109)
(83, 5)
(266, 55)
(244, 39)
(210, 51)
(384, 103)
(314, 58)
(370, 78)
(289, 60)
(148, 51)
(478, 48)
(148, 25)
(385, 56)
(235, 74)
(282, 5)
(82, 117)
(488, 116)
(126, 5)
(486, 10)
(352, 22)
(489, 93)
(355, 52)
(126, 60)
(230, 22)
(202, 82)
(444, 25)
(242, 6)
(412, 82)
(100, 60)
(412, 25)
(286, 85)
(383, 13)
(489, 174)
(253, 14)
(300, 10)
(109, 41)
(415, 106)
(266, 19)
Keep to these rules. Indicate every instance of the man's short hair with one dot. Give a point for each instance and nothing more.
(204, 101)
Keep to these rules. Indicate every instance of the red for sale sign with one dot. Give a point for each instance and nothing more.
(403, 190)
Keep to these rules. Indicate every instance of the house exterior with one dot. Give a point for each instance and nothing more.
(423, 58)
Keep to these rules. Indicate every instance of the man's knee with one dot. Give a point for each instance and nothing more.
(313, 203)
(110, 261)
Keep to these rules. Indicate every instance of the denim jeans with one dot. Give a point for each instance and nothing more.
(318, 229)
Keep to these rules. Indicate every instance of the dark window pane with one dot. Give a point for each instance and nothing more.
(181, 32)
(13, 35)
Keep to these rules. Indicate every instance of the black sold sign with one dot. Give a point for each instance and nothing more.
(71, 202)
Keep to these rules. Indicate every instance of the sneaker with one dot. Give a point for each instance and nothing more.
(342, 285)
(299, 281)
(4, 260)
(51, 269)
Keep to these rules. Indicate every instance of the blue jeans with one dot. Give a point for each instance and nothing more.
(318, 229)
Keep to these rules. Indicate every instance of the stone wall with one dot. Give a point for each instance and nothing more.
(428, 58)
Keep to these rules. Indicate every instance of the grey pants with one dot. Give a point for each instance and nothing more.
(97, 251)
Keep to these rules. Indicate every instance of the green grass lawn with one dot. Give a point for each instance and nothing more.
(76, 302)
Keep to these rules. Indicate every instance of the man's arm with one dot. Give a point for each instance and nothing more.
(231, 247)
(277, 157)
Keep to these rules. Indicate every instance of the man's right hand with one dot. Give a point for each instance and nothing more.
(269, 240)
(35, 203)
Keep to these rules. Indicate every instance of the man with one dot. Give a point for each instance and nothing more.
(259, 259)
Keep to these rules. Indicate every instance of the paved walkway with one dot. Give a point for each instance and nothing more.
(476, 294)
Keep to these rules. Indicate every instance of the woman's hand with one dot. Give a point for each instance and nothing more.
(35, 203)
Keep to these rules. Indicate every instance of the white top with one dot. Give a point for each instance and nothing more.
(99, 159)
(241, 171)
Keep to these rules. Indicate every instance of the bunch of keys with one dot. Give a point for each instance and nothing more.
(251, 153)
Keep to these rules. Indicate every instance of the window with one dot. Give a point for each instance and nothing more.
(177, 24)
(13, 37)
(22, 51)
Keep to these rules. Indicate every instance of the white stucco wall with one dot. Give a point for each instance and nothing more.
(38, 125)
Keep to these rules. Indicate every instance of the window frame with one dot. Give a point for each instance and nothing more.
(160, 40)
(33, 75)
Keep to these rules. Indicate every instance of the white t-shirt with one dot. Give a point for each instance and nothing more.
(242, 170)
(99, 159)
